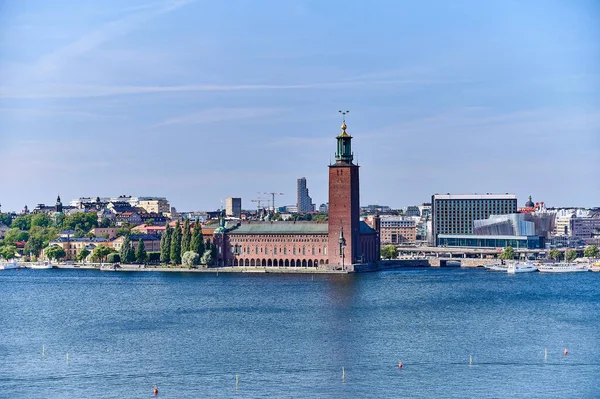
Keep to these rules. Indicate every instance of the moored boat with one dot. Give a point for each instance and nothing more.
(521, 267)
(9, 265)
(563, 267)
(41, 265)
(497, 267)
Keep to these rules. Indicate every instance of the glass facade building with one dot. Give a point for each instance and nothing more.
(476, 241)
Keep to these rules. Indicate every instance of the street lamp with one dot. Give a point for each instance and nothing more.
(342, 242)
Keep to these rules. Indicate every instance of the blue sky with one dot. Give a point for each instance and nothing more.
(201, 100)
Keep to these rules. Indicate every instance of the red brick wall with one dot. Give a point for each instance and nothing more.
(344, 211)
(309, 250)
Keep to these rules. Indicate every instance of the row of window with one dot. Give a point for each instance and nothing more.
(258, 249)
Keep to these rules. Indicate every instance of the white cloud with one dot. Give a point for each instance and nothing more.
(217, 115)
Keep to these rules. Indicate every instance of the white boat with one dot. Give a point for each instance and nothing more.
(521, 267)
(41, 265)
(563, 267)
(9, 265)
(497, 267)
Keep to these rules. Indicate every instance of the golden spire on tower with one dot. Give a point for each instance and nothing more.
(343, 134)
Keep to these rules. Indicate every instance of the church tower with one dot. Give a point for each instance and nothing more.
(344, 205)
(58, 207)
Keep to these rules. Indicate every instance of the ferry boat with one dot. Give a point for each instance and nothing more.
(563, 268)
(521, 267)
(41, 265)
(9, 265)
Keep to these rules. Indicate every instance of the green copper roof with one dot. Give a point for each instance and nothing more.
(290, 228)
(281, 228)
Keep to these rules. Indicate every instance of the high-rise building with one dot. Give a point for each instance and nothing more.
(304, 202)
(455, 213)
(233, 207)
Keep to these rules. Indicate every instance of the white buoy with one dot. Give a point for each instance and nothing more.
(67, 357)
(545, 353)
(237, 380)
(470, 360)
(343, 375)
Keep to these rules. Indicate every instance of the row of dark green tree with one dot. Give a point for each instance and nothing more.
(184, 245)
(128, 255)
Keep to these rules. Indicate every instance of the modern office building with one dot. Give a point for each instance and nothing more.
(453, 214)
(304, 202)
(585, 227)
(233, 207)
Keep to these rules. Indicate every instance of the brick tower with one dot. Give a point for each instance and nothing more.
(344, 205)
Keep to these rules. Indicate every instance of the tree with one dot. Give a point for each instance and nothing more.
(113, 258)
(7, 251)
(555, 254)
(186, 237)
(389, 252)
(207, 258)
(5, 219)
(165, 245)
(81, 221)
(127, 254)
(59, 220)
(591, 251)
(105, 223)
(41, 219)
(55, 252)
(140, 253)
(571, 255)
(83, 254)
(176, 245)
(508, 253)
(39, 238)
(22, 222)
(190, 258)
(101, 252)
(197, 244)
(13, 235)
(149, 222)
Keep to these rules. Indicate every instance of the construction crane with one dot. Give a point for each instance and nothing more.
(259, 201)
(273, 199)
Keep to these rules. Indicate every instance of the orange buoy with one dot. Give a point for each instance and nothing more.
(155, 390)
(400, 365)
(565, 351)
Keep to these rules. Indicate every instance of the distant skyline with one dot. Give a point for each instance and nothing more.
(197, 101)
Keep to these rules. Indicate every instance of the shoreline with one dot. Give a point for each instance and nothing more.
(215, 270)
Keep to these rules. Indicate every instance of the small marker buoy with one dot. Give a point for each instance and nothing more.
(155, 390)
(400, 365)
(565, 352)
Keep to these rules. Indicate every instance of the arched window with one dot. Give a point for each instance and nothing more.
(325, 251)
(304, 250)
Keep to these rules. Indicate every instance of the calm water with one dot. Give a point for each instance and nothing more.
(290, 336)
